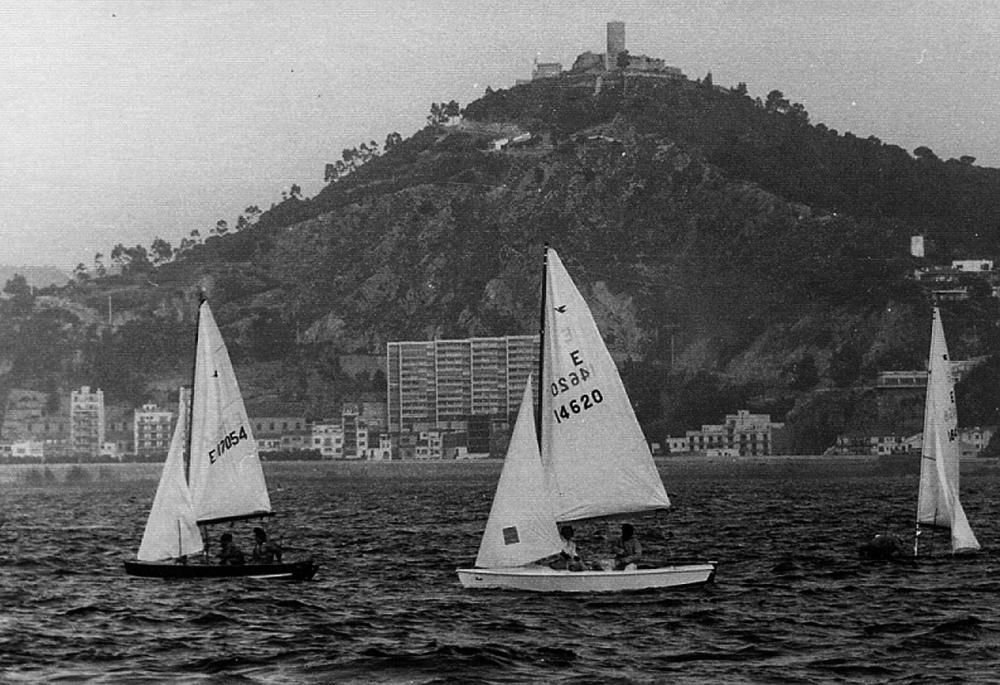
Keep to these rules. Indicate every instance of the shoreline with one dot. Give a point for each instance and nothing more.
(41, 475)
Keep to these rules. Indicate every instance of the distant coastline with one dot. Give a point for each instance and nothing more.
(82, 475)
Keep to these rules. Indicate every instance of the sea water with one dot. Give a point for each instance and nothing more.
(791, 603)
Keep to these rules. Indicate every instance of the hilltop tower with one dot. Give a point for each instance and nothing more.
(616, 44)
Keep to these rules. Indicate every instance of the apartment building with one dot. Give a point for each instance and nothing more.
(441, 383)
(742, 434)
(152, 430)
(86, 422)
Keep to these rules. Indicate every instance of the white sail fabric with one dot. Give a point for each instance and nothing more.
(171, 530)
(937, 502)
(522, 526)
(595, 456)
(227, 480)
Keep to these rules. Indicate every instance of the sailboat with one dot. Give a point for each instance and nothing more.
(212, 475)
(586, 458)
(937, 502)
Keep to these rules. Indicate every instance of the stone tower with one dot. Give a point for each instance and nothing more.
(616, 44)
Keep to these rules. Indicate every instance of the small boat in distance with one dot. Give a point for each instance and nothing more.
(586, 459)
(937, 502)
(212, 475)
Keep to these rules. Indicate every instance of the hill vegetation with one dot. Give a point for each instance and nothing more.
(735, 255)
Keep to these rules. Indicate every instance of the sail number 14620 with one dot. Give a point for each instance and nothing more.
(570, 383)
(577, 404)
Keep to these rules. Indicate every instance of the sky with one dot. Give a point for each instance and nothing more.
(123, 121)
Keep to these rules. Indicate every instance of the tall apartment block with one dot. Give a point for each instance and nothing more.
(86, 421)
(616, 44)
(152, 429)
(443, 382)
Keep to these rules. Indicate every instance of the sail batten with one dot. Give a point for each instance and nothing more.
(596, 459)
(937, 501)
(227, 481)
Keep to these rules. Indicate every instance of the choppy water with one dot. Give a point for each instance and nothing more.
(791, 603)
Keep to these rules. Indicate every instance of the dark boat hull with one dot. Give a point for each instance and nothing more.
(298, 570)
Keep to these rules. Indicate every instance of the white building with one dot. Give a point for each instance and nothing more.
(152, 430)
(972, 265)
(678, 445)
(23, 450)
(328, 439)
(86, 421)
(111, 450)
(747, 434)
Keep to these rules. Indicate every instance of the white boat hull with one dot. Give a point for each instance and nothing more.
(545, 579)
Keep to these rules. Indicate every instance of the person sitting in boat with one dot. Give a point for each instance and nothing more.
(264, 551)
(230, 554)
(884, 546)
(627, 549)
(568, 558)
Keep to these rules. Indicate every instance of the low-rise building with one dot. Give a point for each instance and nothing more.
(748, 434)
(383, 451)
(328, 439)
(678, 445)
(972, 265)
(27, 451)
(545, 70)
(281, 433)
(972, 441)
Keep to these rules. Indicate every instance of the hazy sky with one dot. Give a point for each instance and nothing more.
(123, 121)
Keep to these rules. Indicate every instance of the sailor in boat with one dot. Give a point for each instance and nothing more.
(627, 549)
(230, 554)
(884, 546)
(568, 557)
(264, 551)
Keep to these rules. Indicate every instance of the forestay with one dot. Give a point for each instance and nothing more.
(595, 456)
(521, 526)
(171, 530)
(938, 502)
(227, 480)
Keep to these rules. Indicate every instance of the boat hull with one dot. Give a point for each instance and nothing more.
(544, 579)
(298, 570)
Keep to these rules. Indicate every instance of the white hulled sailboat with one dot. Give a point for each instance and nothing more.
(937, 502)
(590, 461)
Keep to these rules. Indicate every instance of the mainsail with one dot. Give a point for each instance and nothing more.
(595, 456)
(171, 530)
(227, 481)
(937, 502)
(522, 526)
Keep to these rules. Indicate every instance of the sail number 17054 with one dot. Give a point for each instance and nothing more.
(227, 442)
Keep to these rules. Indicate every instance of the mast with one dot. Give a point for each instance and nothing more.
(194, 370)
(541, 344)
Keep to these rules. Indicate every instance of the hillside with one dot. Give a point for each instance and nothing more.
(36, 276)
(734, 255)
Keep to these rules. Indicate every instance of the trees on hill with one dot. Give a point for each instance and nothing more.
(441, 112)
